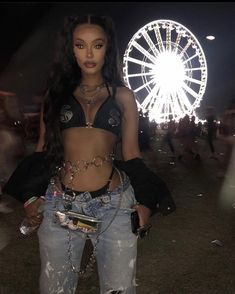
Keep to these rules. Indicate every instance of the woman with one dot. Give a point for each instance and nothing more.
(86, 111)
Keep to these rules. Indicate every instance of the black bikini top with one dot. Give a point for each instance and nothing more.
(107, 117)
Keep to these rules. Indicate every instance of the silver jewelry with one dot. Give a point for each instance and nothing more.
(80, 166)
(89, 268)
(89, 93)
(89, 96)
(89, 89)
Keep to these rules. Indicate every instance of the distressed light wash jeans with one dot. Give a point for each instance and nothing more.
(116, 249)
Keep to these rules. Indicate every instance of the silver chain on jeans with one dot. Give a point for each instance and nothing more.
(89, 268)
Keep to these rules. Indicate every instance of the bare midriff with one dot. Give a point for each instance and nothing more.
(88, 159)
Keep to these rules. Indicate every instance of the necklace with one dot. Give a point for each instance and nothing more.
(89, 93)
(90, 89)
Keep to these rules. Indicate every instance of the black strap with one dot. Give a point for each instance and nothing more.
(107, 87)
(96, 193)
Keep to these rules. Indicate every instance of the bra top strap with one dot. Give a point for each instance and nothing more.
(114, 90)
(107, 87)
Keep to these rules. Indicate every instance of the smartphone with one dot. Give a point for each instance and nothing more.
(135, 222)
(140, 232)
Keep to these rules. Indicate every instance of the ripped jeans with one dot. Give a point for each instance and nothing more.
(116, 250)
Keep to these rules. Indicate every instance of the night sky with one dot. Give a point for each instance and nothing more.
(28, 33)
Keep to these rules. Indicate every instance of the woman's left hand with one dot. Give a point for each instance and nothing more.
(144, 214)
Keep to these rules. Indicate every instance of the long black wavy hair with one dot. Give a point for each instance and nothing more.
(66, 75)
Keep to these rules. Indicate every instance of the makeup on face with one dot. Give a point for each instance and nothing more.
(89, 43)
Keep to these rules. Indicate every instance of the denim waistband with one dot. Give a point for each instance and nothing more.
(93, 194)
(102, 191)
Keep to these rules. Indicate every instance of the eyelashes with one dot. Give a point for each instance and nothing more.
(99, 46)
(81, 46)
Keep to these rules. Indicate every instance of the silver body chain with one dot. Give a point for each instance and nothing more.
(89, 268)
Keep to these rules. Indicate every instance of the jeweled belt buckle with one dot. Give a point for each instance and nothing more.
(77, 221)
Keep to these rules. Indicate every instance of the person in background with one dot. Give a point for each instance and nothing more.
(171, 129)
(211, 128)
(12, 146)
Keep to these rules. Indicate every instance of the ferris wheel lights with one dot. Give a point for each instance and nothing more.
(138, 35)
(166, 68)
(178, 30)
(169, 72)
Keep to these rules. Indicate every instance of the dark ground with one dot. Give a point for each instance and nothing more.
(178, 257)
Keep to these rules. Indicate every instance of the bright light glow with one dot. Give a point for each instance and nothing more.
(210, 38)
(169, 72)
(166, 68)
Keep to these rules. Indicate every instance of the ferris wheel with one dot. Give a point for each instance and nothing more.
(165, 66)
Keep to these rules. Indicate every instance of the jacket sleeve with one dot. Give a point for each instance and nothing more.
(30, 178)
(150, 190)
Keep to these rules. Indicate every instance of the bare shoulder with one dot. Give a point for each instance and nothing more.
(125, 96)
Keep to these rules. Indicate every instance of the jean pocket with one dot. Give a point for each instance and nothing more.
(125, 200)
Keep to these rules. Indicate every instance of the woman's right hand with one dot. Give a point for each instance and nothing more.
(32, 212)
(144, 214)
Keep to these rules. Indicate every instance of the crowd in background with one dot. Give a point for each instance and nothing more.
(182, 136)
